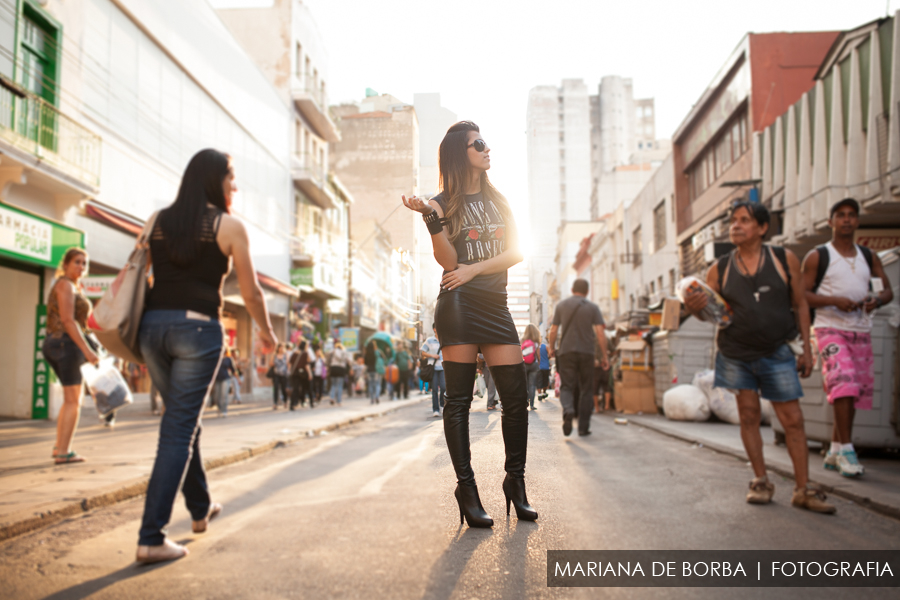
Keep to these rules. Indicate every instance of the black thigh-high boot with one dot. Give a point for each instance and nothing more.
(512, 387)
(460, 381)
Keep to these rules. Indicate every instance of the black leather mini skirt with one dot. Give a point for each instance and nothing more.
(464, 317)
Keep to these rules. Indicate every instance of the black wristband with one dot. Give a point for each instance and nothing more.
(433, 222)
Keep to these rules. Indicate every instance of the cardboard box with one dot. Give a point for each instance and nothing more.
(636, 393)
(671, 315)
(636, 355)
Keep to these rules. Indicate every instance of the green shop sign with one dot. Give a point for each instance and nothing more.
(33, 239)
(40, 398)
(302, 276)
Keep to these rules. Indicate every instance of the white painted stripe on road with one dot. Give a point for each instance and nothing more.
(374, 486)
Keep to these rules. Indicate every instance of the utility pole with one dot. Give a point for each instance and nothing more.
(349, 272)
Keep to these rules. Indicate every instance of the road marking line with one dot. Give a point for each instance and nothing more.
(374, 486)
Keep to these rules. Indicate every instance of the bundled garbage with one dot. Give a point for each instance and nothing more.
(686, 403)
(723, 402)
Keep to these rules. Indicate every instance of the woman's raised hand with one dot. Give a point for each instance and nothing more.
(417, 204)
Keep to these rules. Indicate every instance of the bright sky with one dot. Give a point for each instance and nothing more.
(483, 56)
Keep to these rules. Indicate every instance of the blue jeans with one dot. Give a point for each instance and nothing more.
(532, 372)
(374, 380)
(220, 395)
(438, 388)
(337, 388)
(774, 376)
(182, 357)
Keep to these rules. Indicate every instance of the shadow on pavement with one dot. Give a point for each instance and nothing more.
(89, 588)
(447, 569)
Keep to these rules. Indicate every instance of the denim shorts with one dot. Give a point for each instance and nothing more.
(774, 377)
(65, 358)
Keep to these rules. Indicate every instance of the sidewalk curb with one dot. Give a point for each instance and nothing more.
(864, 501)
(137, 487)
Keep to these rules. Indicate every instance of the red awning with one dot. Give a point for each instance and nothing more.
(275, 285)
(107, 217)
(134, 227)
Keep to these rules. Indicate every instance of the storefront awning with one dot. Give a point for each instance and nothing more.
(276, 285)
(113, 218)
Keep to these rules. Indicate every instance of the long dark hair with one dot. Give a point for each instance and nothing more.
(181, 222)
(453, 161)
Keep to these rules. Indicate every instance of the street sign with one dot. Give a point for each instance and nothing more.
(96, 285)
(40, 396)
(350, 338)
(33, 239)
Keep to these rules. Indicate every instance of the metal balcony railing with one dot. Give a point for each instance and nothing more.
(35, 126)
(305, 166)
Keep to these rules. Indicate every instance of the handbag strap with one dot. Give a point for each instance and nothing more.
(569, 322)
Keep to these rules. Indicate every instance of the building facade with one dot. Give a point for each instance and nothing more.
(106, 102)
(713, 162)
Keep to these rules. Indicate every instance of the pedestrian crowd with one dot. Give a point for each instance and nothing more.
(474, 348)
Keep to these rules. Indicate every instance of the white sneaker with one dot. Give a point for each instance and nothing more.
(830, 461)
(436, 414)
(848, 464)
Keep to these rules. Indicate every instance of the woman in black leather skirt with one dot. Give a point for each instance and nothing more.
(476, 242)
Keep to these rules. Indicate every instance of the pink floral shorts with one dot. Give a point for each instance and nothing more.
(847, 366)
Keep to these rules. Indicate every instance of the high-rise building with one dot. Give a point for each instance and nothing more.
(559, 169)
(434, 121)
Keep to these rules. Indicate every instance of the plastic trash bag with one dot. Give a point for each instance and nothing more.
(107, 386)
(686, 403)
(722, 402)
(716, 311)
(480, 386)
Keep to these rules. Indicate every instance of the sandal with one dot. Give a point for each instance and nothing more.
(71, 457)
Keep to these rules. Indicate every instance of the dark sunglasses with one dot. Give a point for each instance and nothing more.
(479, 145)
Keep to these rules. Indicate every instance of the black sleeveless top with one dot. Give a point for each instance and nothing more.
(197, 287)
(484, 234)
(763, 316)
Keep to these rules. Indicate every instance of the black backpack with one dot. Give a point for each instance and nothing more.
(779, 253)
(824, 261)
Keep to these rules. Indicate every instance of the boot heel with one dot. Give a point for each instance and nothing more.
(460, 512)
(514, 490)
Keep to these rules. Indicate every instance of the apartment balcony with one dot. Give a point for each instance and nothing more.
(310, 178)
(34, 133)
(312, 103)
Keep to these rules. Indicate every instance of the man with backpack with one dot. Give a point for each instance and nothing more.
(845, 282)
(763, 287)
(582, 327)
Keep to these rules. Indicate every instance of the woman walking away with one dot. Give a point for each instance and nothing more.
(300, 376)
(181, 337)
(531, 349)
(338, 367)
(279, 376)
(475, 241)
(66, 348)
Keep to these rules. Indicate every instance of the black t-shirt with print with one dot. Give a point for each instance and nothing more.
(484, 235)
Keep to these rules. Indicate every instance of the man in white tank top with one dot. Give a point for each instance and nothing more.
(844, 300)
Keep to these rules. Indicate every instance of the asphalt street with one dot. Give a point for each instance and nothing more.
(368, 512)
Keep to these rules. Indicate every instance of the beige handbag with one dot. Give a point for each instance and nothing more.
(117, 318)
